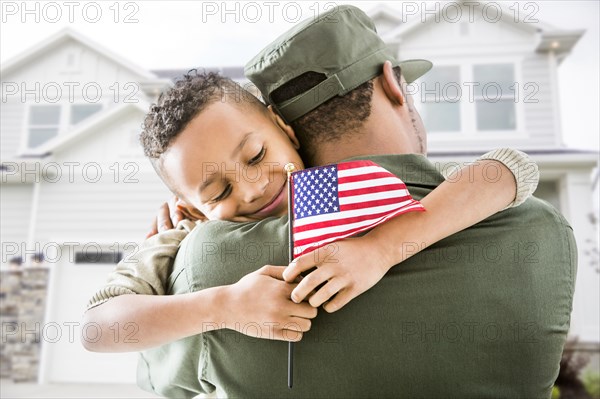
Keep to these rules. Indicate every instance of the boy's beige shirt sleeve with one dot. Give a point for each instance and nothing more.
(145, 271)
(524, 169)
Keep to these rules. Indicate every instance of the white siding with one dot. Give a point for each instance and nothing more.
(103, 212)
(539, 116)
(11, 125)
(92, 66)
(15, 206)
(119, 205)
(442, 36)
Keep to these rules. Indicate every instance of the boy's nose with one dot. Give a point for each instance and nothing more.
(254, 190)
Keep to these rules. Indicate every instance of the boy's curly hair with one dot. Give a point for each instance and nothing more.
(177, 106)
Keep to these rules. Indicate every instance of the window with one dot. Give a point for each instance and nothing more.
(470, 98)
(44, 123)
(440, 99)
(47, 121)
(495, 97)
(80, 112)
(94, 256)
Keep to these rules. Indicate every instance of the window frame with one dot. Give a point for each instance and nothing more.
(64, 120)
(437, 101)
(468, 110)
(28, 124)
(504, 96)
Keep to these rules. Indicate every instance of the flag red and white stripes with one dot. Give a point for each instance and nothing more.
(337, 201)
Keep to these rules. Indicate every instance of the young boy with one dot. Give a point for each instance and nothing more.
(222, 152)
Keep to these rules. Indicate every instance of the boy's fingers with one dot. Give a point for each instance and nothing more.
(299, 322)
(174, 212)
(273, 271)
(164, 218)
(299, 265)
(176, 217)
(309, 283)
(304, 310)
(326, 292)
(339, 301)
(153, 228)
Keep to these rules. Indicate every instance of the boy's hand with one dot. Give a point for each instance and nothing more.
(348, 267)
(259, 305)
(170, 213)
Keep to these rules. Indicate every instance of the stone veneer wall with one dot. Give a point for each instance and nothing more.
(22, 306)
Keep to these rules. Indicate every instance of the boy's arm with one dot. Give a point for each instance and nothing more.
(260, 298)
(499, 179)
(145, 271)
(149, 318)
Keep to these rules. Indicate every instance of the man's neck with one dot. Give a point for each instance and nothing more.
(370, 143)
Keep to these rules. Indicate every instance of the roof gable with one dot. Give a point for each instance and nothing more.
(63, 37)
(491, 12)
(385, 18)
(382, 11)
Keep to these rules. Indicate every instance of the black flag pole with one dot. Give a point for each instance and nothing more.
(289, 168)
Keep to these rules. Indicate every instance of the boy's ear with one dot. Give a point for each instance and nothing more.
(287, 129)
(391, 87)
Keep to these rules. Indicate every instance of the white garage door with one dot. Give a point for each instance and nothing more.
(63, 357)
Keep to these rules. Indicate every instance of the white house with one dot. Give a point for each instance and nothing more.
(76, 187)
(75, 182)
(494, 84)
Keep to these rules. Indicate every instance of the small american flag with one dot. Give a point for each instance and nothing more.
(333, 202)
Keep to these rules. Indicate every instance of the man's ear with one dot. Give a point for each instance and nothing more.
(390, 84)
(287, 129)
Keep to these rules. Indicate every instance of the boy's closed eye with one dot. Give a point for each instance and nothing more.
(228, 188)
(224, 194)
(259, 157)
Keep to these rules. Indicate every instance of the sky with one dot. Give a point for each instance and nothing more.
(185, 34)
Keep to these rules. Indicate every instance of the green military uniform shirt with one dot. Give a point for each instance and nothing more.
(483, 313)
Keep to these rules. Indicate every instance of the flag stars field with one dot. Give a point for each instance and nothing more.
(333, 202)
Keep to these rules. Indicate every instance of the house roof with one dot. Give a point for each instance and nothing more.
(62, 36)
(233, 72)
(386, 12)
(65, 140)
(550, 37)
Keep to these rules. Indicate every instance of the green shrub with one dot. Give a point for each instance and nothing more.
(555, 393)
(591, 380)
